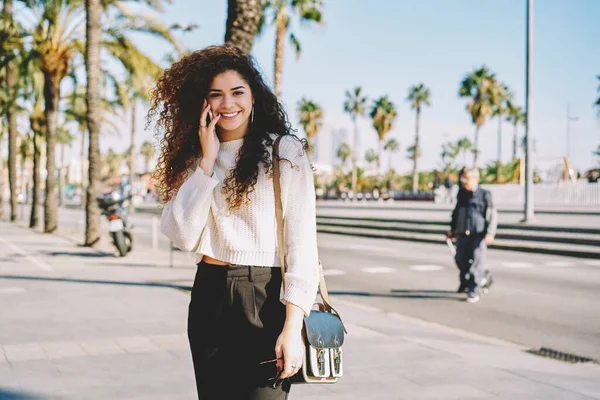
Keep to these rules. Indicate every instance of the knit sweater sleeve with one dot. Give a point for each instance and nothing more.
(184, 216)
(300, 226)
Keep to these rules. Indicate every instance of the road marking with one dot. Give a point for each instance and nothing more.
(426, 268)
(378, 270)
(12, 290)
(40, 264)
(592, 263)
(517, 264)
(559, 263)
(333, 272)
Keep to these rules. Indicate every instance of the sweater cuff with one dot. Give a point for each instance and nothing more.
(299, 292)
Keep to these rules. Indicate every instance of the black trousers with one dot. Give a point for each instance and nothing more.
(234, 320)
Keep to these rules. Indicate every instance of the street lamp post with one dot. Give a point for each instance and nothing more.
(528, 113)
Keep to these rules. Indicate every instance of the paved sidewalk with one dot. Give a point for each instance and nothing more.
(81, 324)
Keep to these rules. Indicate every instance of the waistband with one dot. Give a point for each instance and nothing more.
(213, 270)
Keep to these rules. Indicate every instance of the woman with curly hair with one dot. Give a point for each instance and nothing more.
(217, 123)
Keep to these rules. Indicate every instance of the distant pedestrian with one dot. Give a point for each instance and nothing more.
(473, 225)
(220, 122)
(449, 185)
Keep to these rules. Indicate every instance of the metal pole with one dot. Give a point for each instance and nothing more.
(528, 113)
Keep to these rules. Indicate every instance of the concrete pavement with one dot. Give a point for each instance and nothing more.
(77, 323)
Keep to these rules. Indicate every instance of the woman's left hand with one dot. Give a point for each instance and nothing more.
(289, 350)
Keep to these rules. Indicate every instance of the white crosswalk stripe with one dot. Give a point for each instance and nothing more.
(559, 263)
(333, 272)
(517, 264)
(592, 263)
(426, 268)
(378, 270)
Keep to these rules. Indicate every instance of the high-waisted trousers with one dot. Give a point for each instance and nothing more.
(235, 317)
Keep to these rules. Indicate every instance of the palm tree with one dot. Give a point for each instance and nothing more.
(597, 103)
(33, 84)
(121, 48)
(391, 147)
(311, 118)
(480, 87)
(418, 96)
(63, 138)
(147, 151)
(25, 153)
(464, 145)
(355, 106)
(112, 161)
(11, 114)
(371, 156)
(383, 113)
(243, 18)
(76, 112)
(280, 11)
(500, 110)
(515, 116)
(449, 153)
(344, 152)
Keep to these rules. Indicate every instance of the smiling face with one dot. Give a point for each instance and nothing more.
(230, 96)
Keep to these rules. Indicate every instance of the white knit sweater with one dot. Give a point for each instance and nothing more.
(198, 219)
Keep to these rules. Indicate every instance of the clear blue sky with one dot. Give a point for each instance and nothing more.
(386, 46)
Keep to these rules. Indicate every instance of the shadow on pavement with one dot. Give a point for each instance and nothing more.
(407, 294)
(100, 282)
(76, 254)
(6, 394)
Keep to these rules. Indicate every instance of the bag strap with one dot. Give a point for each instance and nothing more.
(280, 235)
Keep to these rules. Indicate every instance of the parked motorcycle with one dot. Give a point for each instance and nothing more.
(114, 206)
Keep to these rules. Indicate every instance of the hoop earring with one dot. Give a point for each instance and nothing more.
(252, 115)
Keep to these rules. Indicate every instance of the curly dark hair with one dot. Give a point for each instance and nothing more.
(177, 100)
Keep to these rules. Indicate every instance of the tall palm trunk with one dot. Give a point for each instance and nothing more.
(243, 17)
(11, 83)
(36, 192)
(279, 47)
(354, 152)
(92, 62)
(515, 137)
(61, 176)
(51, 97)
(499, 162)
(415, 187)
(132, 152)
(82, 167)
(379, 153)
(476, 147)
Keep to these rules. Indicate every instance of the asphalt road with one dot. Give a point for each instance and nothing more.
(536, 301)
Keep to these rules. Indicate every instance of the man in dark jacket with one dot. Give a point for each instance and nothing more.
(474, 222)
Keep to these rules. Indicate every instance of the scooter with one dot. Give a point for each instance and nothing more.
(113, 205)
(488, 279)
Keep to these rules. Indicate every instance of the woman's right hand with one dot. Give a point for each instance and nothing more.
(209, 142)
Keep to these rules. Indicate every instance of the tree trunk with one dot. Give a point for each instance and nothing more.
(92, 63)
(354, 142)
(51, 98)
(11, 82)
(243, 17)
(476, 147)
(499, 161)
(379, 153)
(36, 193)
(279, 48)
(61, 178)
(515, 138)
(82, 167)
(415, 186)
(132, 153)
